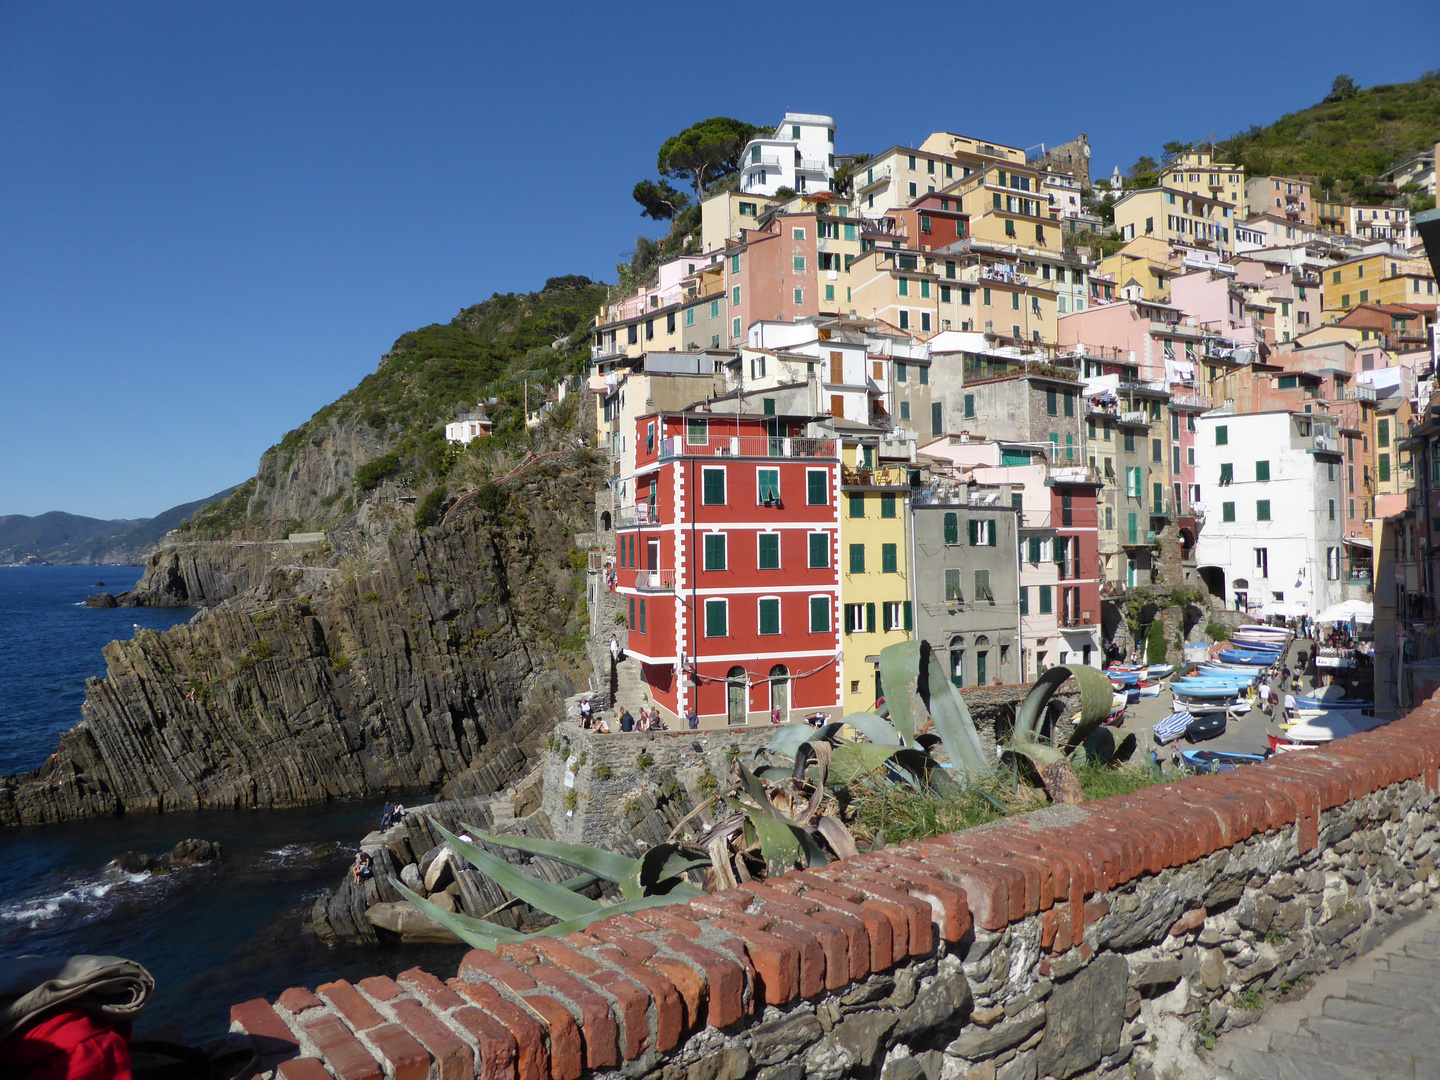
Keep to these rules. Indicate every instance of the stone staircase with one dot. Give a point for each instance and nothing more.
(1387, 1024)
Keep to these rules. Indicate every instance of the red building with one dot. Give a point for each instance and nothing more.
(730, 567)
(1075, 516)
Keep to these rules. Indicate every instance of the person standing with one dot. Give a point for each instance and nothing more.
(692, 719)
(614, 649)
(1290, 706)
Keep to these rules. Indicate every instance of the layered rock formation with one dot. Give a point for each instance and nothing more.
(397, 679)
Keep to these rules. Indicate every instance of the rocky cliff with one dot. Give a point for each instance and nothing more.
(310, 682)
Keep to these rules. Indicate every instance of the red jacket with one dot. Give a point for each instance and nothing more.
(67, 1045)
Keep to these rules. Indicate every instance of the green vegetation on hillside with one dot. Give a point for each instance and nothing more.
(1348, 139)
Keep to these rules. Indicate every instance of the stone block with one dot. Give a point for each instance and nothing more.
(1085, 1017)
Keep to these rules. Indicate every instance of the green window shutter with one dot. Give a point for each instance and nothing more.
(1222, 435)
(1262, 510)
(715, 618)
(1050, 403)
(1227, 473)
(819, 550)
(869, 618)
(769, 616)
(715, 551)
(769, 406)
(889, 559)
(1034, 549)
(908, 616)
(857, 504)
(815, 488)
(952, 584)
(769, 551)
(819, 614)
(1045, 601)
(1130, 529)
(1024, 600)
(1382, 432)
(887, 505)
(642, 616)
(713, 493)
(1383, 463)
(631, 623)
(1057, 550)
(1227, 511)
(969, 406)
(1069, 446)
(1157, 496)
(1262, 470)
(1069, 403)
(857, 558)
(924, 375)
(767, 484)
(952, 529)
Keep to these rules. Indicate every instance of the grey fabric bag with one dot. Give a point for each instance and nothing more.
(110, 986)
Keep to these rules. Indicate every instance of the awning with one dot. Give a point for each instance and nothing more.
(1359, 541)
(1359, 610)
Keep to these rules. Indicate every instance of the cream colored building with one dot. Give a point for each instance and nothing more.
(1196, 172)
(1177, 217)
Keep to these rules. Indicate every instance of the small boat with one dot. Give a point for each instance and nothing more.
(1281, 746)
(1148, 689)
(1120, 675)
(1328, 726)
(1248, 657)
(1207, 761)
(1159, 671)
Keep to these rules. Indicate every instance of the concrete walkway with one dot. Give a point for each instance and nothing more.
(1375, 1018)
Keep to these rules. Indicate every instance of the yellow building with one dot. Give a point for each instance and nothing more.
(874, 570)
(724, 215)
(1176, 217)
(1197, 173)
(1148, 262)
(1006, 205)
(1374, 279)
(898, 176)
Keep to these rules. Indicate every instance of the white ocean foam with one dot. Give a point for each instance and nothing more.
(80, 899)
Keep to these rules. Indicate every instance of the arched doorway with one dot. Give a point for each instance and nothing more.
(1214, 579)
(605, 520)
(780, 692)
(957, 660)
(1241, 586)
(982, 659)
(735, 694)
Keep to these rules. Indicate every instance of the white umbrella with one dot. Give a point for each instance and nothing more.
(1359, 610)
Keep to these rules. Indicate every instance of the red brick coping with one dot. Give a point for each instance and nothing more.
(632, 984)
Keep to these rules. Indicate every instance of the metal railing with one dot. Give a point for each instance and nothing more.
(674, 446)
(655, 580)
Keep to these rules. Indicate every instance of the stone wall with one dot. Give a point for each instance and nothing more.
(1097, 940)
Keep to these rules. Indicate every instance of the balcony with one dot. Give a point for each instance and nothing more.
(1073, 621)
(810, 165)
(1139, 417)
(888, 476)
(1360, 393)
(676, 446)
(764, 159)
(655, 580)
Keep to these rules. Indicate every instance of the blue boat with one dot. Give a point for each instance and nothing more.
(1343, 704)
(1124, 678)
(1207, 761)
(1247, 656)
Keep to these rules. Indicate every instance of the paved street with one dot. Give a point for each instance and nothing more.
(1376, 1018)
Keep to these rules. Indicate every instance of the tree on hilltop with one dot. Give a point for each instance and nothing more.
(659, 201)
(1342, 89)
(706, 151)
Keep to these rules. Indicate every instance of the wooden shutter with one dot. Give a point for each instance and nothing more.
(837, 367)
(837, 405)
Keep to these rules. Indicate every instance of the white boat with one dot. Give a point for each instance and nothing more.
(1328, 726)
(1147, 690)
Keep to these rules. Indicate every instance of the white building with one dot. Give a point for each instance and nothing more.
(799, 155)
(468, 430)
(1270, 485)
(1392, 223)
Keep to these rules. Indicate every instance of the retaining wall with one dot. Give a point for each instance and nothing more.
(1095, 940)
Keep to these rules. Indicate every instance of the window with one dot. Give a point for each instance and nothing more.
(1069, 403)
(1382, 432)
(969, 406)
(1050, 406)
(1156, 451)
(854, 618)
(1129, 442)
(1227, 474)
(1332, 509)
(952, 529)
(1024, 600)
(904, 410)
(904, 287)
(904, 320)
(1133, 480)
(1332, 563)
(799, 295)
(1034, 549)
(924, 290)
(856, 502)
(895, 615)
(890, 559)
(982, 532)
(1262, 562)
(696, 433)
(819, 550)
(1227, 511)
(1131, 531)
(798, 264)
(924, 375)
(717, 618)
(819, 614)
(816, 488)
(1262, 471)
(768, 556)
(630, 625)
(1046, 600)
(887, 504)
(767, 485)
(1190, 455)
(982, 586)
(952, 584)
(937, 419)
(769, 615)
(925, 321)
(713, 487)
(715, 551)
(735, 296)
(1222, 435)
(1383, 461)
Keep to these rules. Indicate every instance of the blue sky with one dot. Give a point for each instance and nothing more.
(214, 219)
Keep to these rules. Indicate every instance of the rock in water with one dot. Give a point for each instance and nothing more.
(410, 923)
(101, 600)
(190, 852)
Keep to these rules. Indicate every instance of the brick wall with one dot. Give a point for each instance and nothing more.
(1090, 940)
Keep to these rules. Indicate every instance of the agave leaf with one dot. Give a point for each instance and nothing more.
(659, 872)
(837, 836)
(790, 737)
(900, 676)
(1096, 696)
(953, 722)
(546, 896)
(604, 911)
(773, 772)
(475, 932)
(875, 728)
(603, 864)
(782, 842)
(719, 849)
(853, 760)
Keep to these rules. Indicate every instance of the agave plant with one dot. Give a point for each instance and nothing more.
(655, 878)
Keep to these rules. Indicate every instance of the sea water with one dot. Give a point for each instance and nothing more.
(211, 935)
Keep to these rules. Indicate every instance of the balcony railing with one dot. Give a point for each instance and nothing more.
(764, 159)
(1360, 393)
(639, 514)
(655, 580)
(675, 446)
(887, 476)
(810, 165)
(1139, 417)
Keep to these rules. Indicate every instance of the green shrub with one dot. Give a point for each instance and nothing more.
(572, 800)
(431, 507)
(643, 760)
(603, 772)
(339, 663)
(369, 475)
(1216, 630)
(262, 650)
(1155, 643)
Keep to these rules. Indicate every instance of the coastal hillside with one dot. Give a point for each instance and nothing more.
(1346, 141)
(58, 537)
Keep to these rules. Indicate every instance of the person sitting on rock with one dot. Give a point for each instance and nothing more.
(587, 714)
(627, 722)
(364, 867)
